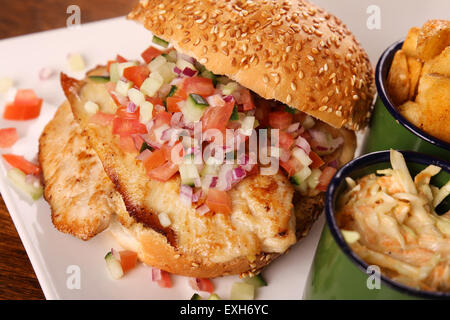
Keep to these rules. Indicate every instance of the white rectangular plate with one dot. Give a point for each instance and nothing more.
(53, 254)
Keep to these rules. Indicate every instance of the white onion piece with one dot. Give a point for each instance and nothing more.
(216, 100)
(293, 127)
(156, 274)
(302, 143)
(201, 210)
(46, 73)
(186, 194)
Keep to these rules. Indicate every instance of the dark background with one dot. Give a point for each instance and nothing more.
(18, 17)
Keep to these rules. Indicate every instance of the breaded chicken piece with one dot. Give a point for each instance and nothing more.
(81, 196)
(262, 219)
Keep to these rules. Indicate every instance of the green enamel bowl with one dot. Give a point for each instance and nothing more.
(389, 129)
(337, 272)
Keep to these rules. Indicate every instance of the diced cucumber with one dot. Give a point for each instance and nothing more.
(298, 178)
(122, 87)
(188, 174)
(313, 179)
(196, 296)
(151, 85)
(194, 108)
(247, 125)
(91, 107)
(76, 62)
(18, 178)
(242, 291)
(114, 266)
(183, 64)
(166, 72)
(229, 88)
(171, 56)
(301, 156)
(114, 74)
(235, 114)
(256, 281)
(214, 296)
(291, 110)
(136, 96)
(100, 79)
(144, 147)
(172, 91)
(208, 74)
(156, 63)
(145, 112)
(160, 42)
(210, 168)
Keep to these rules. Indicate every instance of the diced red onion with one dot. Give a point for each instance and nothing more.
(293, 127)
(167, 134)
(333, 164)
(186, 194)
(225, 178)
(214, 182)
(302, 143)
(185, 57)
(177, 119)
(189, 72)
(156, 275)
(150, 142)
(131, 108)
(46, 73)
(193, 282)
(228, 98)
(197, 195)
(285, 155)
(144, 155)
(319, 137)
(203, 209)
(177, 70)
(197, 182)
(150, 125)
(238, 174)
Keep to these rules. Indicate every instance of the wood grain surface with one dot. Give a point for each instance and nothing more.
(17, 278)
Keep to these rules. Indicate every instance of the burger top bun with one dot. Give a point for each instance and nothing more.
(291, 51)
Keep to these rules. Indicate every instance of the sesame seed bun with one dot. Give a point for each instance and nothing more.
(291, 51)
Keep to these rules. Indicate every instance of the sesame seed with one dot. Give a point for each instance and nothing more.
(339, 113)
(265, 79)
(310, 58)
(314, 51)
(293, 86)
(355, 97)
(204, 60)
(301, 75)
(288, 98)
(323, 108)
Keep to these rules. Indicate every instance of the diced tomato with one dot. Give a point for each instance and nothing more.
(217, 117)
(149, 54)
(172, 104)
(155, 160)
(285, 140)
(120, 101)
(123, 126)
(317, 161)
(120, 59)
(128, 260)
(164, 172)
(247, 100)
(280, 119)
(291, 166)
(201, 284)
(180, 93)
(8, 136)
(122, 112)
(126, 143)
(103, 119)
(26, 106)
(201, 86)
(325, 178)
(136, 74)
(22, 164)
(110, 62)
(162, 118)
(165, 281)
(156, 101)
(218, 201)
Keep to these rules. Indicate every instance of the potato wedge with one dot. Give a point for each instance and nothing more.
(412, 111)
(398, 79)
(415, 69)
(441, 64)
(410, 44)
(433, 38)
(434, 96)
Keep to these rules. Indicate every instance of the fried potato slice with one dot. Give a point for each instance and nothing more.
(434, 96)
(415, 70)
(398, 78)
(410, 44)
(441, 64)
(433, 38)
(412, 112)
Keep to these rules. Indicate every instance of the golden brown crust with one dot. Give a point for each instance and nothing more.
(291, 51)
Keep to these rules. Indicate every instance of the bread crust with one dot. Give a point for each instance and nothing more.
(291, 51)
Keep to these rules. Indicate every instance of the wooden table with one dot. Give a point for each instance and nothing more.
(17, 278)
